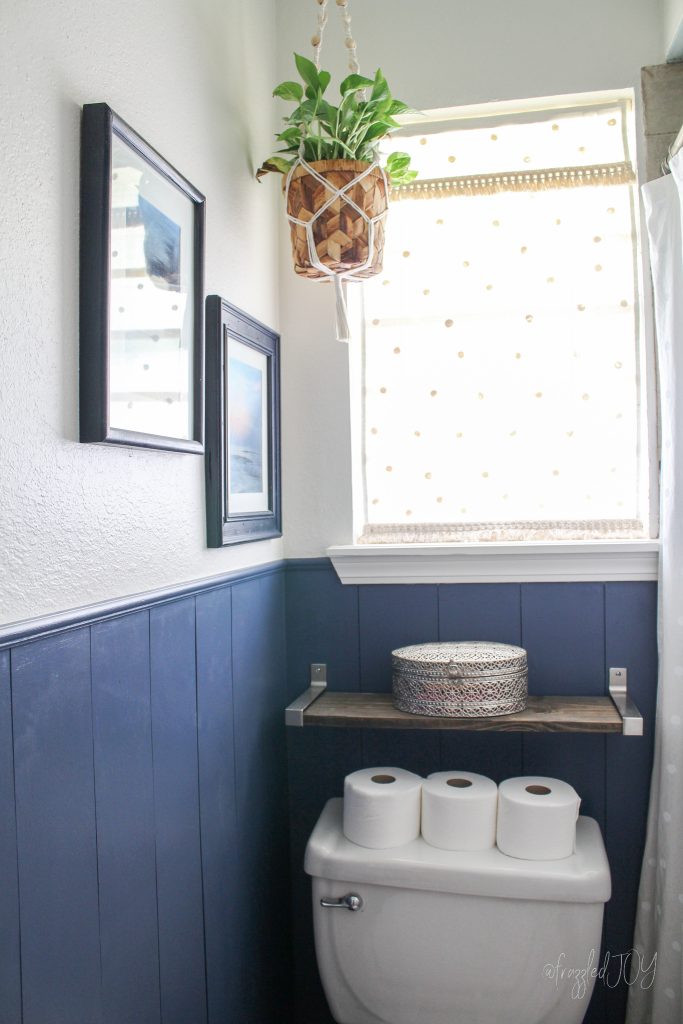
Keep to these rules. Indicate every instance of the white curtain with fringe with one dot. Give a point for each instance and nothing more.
(659, 924)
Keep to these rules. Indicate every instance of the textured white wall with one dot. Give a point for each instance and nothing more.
(81, 523)
(434, 54)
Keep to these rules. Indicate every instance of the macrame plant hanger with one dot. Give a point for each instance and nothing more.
(373, 222)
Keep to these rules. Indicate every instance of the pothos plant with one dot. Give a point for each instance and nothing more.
(352, 130)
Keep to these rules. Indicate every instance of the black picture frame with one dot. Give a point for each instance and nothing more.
(103, 131)
(226, 523)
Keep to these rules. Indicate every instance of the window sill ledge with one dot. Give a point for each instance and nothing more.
(519, 562)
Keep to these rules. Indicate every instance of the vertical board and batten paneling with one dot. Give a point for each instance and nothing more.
(390, 617)
(480, 611)
(322, 620)
(630, 641)
(573, 633)
(262, 918)
(137, 898)
(143, 757)
(563, 631)
(217, 798)
(10, 963)
(124, 792)
(176, 812)
(56, 830)
(322, 625)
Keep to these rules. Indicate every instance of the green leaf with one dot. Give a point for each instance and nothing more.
(401, 179)
(303, 113)
(289, 91)
(380, 88)
(328, 115)
(398, 162)
(323, 80)
(376, 131)
(307, 70)
(398, 108)
(275, 164)
(354, 83)
(292, 134)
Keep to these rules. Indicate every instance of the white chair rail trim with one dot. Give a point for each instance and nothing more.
(518, 562)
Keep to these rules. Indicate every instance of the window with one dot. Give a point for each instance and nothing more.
(502, 375)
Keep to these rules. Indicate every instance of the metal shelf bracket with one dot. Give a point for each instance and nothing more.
(631, 718)
(294, 712)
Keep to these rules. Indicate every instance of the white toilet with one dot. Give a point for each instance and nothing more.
(416, 935)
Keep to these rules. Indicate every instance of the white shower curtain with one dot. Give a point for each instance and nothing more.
(659, 923)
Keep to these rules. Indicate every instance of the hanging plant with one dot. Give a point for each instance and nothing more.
(335, 187)
(336, 190)
(319, 131)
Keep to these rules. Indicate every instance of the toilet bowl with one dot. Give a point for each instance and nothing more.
(418, 935)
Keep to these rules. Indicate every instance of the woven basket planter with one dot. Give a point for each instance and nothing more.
(341, 235)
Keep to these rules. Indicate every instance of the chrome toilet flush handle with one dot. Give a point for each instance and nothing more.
(349, 902)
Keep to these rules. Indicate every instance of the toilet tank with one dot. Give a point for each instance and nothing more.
(456, 938)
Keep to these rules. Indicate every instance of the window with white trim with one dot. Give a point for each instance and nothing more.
(502, 382)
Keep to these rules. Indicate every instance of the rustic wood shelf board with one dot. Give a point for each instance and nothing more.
(542, 714)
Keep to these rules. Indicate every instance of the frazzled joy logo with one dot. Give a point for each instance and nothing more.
(629, 967)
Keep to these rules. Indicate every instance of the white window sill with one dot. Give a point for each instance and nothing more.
(519, 562)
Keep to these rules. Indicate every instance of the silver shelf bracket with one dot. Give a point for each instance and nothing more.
(294, 713)
(631, 718)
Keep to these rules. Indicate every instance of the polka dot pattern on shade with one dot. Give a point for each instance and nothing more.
(541, 358)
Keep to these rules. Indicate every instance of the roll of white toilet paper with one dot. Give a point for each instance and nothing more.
(537, 818)
(382, 807)
(459, 811)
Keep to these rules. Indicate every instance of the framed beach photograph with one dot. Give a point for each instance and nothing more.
(141, 292)
(242, 427)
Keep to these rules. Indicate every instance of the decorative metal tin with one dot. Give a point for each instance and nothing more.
(472, 679)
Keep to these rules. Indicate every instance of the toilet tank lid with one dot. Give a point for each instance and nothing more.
(582, 878)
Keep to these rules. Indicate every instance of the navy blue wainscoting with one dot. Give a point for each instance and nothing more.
(143, 848)
(573, 632)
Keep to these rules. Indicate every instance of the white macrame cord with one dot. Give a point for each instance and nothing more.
(349, 42)
(343, 332)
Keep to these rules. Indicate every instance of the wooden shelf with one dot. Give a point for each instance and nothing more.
(543, 714)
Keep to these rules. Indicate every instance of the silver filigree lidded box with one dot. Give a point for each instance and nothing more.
(467, 679)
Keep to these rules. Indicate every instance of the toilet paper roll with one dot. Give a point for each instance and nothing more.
(537, 818)
(382, 807)
(459, 811)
